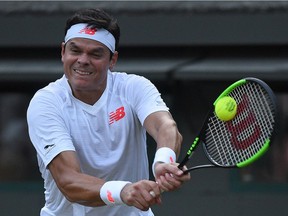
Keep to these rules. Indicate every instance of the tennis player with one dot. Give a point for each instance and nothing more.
(89, 129)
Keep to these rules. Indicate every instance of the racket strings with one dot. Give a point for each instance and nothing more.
(232, 142)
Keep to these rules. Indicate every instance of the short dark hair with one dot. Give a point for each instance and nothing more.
(96, 18)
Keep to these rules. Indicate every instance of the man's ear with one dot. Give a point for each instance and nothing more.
(62, 50)
(113, 60)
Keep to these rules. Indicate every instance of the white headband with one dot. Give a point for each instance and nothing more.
(81, 30)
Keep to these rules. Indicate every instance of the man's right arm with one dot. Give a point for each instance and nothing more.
(75, 186)
(85, 189)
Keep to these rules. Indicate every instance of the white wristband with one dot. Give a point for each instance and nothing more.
(110, 192)
(165, 155)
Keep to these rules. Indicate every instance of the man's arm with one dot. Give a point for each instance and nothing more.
(162, 127)
(85, 189)
(75, 186)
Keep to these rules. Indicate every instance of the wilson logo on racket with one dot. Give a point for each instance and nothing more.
(117, 115)
(248, 122)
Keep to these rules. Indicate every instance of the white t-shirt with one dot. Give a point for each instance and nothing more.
(108, 137)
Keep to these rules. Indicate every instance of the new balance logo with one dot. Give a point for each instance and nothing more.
(88, 31)
(109, 197)
(117, 115)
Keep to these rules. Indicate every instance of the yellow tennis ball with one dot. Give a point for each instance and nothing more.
(226, 108)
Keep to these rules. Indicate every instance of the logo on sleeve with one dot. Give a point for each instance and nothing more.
(48, 148)
(117, 115)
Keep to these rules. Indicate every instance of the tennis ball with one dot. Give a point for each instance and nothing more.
(226, 108)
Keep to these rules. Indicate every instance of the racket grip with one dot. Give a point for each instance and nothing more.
(184, 161)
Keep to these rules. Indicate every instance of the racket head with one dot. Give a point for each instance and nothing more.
(242, 140)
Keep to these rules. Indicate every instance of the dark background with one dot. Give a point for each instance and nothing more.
(191, 50)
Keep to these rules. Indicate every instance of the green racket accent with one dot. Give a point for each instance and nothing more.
(256, 156)
(189, 152)
(230, 88)
(193, 146)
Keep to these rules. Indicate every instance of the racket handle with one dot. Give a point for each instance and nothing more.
(184, 161)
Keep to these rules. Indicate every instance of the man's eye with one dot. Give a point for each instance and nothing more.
(75, 51)
(98, 55)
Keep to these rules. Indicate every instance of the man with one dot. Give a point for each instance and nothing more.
(89, 129)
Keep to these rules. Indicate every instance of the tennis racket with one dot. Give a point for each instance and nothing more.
(245, 138)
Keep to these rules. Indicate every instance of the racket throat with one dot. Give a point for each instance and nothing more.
(200, 167)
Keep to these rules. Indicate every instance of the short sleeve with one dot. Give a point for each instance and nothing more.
(47, 129)
(145, 97)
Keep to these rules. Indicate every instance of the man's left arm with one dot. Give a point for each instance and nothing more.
(163, 128)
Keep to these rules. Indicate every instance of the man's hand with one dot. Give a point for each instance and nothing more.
(169, 177)
(142, 194)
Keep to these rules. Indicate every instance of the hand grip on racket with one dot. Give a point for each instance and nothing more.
(245, 138)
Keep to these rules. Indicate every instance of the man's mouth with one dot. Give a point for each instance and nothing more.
(81, 72)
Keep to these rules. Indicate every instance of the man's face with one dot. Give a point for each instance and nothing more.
(86, 63)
